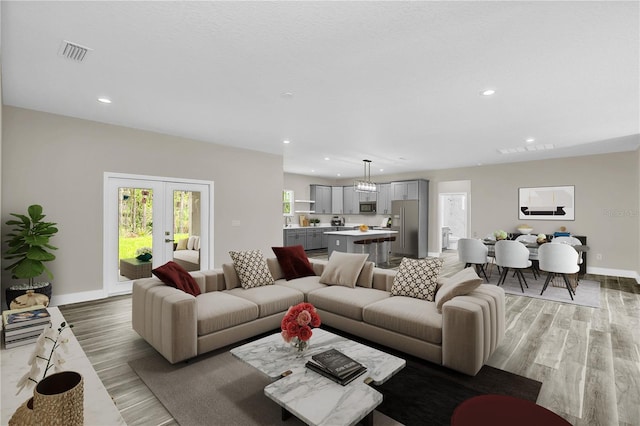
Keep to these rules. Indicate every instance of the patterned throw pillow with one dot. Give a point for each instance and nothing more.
(251, 267)
(417, 278)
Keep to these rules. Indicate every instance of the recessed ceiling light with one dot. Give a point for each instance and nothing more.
(338, 174)
(287, 95)
(286, 141)
(104, 100)
(327, 158)
(488, 92)
(530, 140)
(382, 170)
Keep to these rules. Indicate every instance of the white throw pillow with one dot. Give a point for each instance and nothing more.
(459, 284)
(417, 278)
(191, 242)
(251, 267)
(343, 269)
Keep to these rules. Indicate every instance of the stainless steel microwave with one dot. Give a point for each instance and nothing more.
(367, 207)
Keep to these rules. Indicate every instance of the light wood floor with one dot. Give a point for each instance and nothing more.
(587, 359)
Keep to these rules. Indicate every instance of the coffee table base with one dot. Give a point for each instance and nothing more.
(366, 421)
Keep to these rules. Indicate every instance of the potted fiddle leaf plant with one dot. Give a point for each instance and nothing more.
(29, 249)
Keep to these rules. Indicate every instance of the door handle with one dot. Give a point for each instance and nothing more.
(167, 240)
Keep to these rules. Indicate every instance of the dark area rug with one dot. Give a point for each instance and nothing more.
(423, 393)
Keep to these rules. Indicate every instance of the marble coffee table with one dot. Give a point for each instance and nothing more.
(314, 399)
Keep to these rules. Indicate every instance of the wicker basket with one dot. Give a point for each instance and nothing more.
(23, 415)
(59, 400)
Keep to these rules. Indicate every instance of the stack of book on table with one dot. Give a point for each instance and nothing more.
(336, 366)
(23, 326)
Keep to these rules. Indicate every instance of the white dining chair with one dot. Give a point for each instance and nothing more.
(473, 252)
(512, 255)
(558, 259)
(533, 252)
(572, 241)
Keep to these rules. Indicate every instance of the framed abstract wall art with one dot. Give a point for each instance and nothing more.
(547, 203)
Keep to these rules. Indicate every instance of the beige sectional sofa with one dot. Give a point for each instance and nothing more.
(181, 326)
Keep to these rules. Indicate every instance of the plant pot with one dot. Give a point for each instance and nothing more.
(59, 400)
(23, 415)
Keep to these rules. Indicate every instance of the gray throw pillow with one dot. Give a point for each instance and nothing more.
(459, 284)
(343, 269)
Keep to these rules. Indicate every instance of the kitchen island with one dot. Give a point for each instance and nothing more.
(344, 241)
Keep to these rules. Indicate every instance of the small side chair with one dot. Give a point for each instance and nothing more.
(473, 252)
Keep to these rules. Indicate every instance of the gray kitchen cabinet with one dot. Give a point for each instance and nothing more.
(294, 237)
(404, 190)
(384, 198)
(321, 194)
(314, 238)
(351, 200)
(368, 196)
(337, 200)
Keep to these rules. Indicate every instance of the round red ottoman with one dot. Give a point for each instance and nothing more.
(499, 410)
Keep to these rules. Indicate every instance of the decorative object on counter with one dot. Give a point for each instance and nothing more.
(20, 289)
(542, 238)
(314, 221)
(144, 254)
(524, 229)
(365, 185)
(363, 228)
(30, 298)
(500, 235)
(297, 323)
(59, 400)
(53, 358)
(29, 247)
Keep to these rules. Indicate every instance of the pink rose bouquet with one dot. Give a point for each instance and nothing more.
(297, 323)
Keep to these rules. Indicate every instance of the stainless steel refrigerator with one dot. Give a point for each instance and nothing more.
(405, 216)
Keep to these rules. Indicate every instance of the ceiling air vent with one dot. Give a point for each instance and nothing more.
(73, 51)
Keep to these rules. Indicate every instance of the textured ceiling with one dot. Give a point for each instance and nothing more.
(395, 82)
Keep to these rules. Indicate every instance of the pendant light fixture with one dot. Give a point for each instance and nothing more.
(365, 185)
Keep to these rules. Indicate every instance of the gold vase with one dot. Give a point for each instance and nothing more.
(23, 415)
(59, 400)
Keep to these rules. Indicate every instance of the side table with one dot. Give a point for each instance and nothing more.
(134, 268)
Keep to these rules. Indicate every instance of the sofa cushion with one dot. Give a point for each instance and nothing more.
(365, 279)
(304, 284)
(406, 315)
(459, 284)
(294, 262)
(270, 299)
(231, 279)
(343, 268)
(274, 268)
(251, 268)
(417, 278)
(191, 242)
(345, 301)
(176, 276)
(182, 244)
(218, 310)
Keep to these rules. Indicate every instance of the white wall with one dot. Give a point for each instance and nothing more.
(59, 162)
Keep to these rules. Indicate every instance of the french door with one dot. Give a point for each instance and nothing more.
(150, 221)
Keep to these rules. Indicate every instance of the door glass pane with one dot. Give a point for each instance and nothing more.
(135, 236)
(186, 229)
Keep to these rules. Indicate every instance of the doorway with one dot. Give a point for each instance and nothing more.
(454, 215)
(152, 220)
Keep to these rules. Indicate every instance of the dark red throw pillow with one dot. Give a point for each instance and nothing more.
(176, 276)
(293, 262)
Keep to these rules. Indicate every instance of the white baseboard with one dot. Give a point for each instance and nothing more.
(84, 296)
(614, 272)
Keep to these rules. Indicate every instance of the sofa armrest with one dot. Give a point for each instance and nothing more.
(472, 326)
(166, 318)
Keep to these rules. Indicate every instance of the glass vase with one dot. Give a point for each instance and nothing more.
(299, 345)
